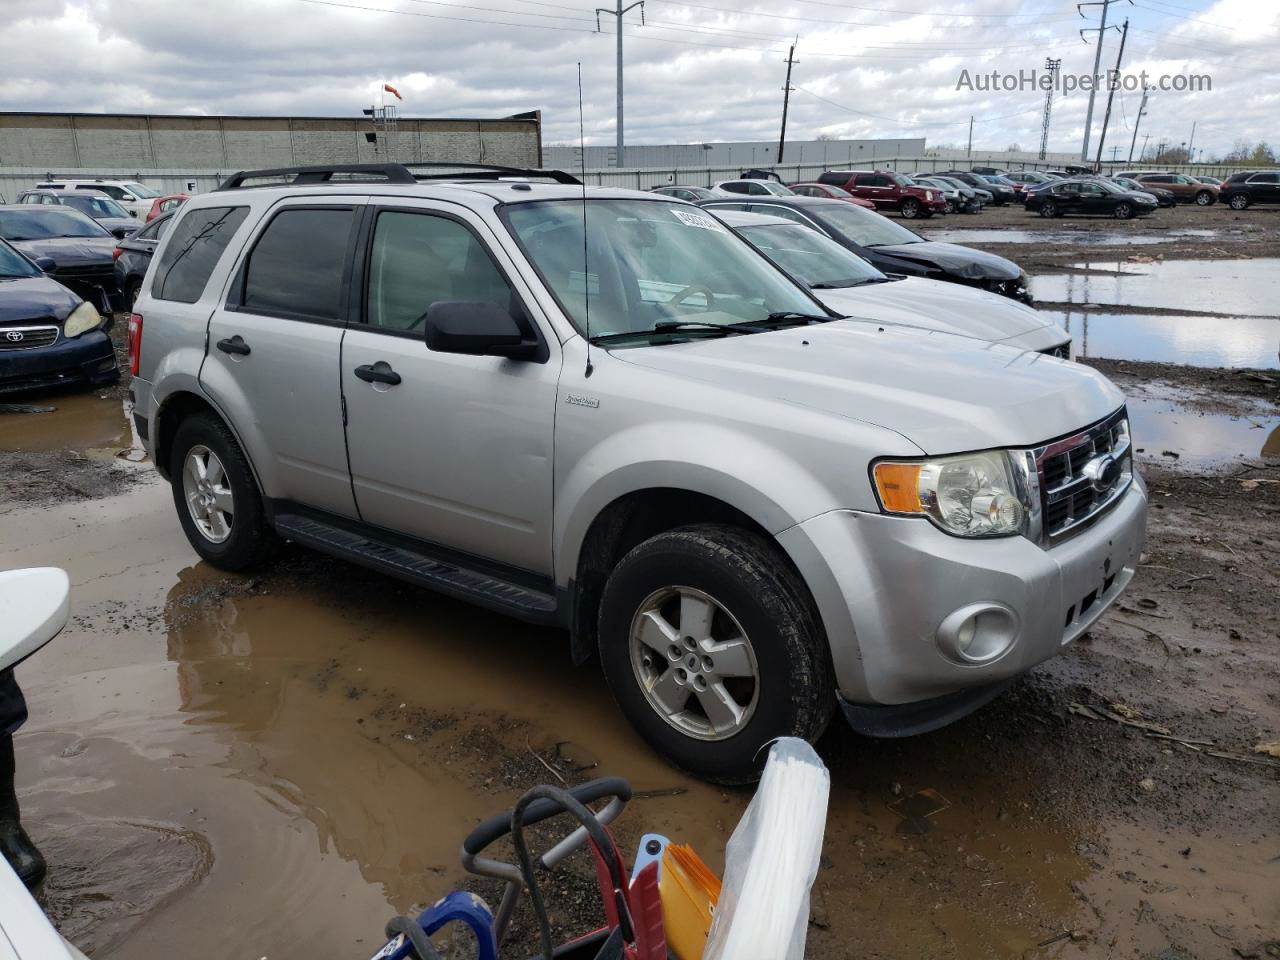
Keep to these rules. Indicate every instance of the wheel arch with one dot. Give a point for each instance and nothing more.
(172, 411)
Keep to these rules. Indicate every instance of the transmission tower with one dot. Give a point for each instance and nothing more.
(1053, 66)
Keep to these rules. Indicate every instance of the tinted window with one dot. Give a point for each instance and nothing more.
(115, 193)
(296, 267)
(418, 260)
(864, 227)
(837, 179)
(154, 230)
(42, 223)
(193, 251)
(736, 186)
(14, 264)
(1266, 178)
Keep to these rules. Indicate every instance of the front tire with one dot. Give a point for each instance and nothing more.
(1239, 202)
(216, 496)
(1204, 198)
(910, 209)
(1048, 209)
(1123, 211)
(711, 649)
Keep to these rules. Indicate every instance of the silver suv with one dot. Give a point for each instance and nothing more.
(602, 410)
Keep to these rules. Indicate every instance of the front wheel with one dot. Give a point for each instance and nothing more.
(1048, 209)
(910, 209)
(711, 649)
(1204, 198)
(1239, 202)
(1122, 211)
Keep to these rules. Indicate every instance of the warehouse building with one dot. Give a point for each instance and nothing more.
(749, 153)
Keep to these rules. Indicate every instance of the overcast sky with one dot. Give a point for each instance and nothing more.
(699, 71)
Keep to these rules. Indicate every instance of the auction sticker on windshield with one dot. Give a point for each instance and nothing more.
(701, 220)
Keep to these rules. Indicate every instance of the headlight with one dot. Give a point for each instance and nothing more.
(83, 319)
(970, 495)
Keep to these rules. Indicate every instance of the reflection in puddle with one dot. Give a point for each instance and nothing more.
(1213, 286)
(1252, 342)
(80, 421)
(1200, 438)
(1082, 238)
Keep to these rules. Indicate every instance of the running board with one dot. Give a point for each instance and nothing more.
(443, 576)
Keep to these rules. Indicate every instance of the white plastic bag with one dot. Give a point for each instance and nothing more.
(772, 860)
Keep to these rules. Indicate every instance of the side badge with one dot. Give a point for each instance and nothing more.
(578, 400)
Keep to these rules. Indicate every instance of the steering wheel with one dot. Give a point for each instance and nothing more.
(688, 291)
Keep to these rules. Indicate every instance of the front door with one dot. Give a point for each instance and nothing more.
(458, 451)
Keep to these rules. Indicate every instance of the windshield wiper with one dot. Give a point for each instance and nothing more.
(791, 318)
(676, 326)
(842, 284)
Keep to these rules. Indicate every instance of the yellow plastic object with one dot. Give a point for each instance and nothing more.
(689, 892)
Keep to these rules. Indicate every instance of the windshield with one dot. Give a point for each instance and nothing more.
(138, 190)
(44, 223)
(865, 227)
(777, 189)
(13, 264)
(648, 261)
(96, 207)
(1108, 186)
(809, 256)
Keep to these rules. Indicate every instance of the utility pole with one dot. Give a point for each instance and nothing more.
(618, 12)
(1097, 63)
(1053, 66)
(1142, 109)
(1190, 151)
(1145, 138)
(969, 152)
(1115, 155)
(786, 100)
(1111, 92)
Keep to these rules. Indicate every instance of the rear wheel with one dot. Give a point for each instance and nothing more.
(1204, 198)
(216, 496)
(910, 208)
(711, 649)
(132, 293)
(1048, 209)
(1240, 201)
(1123, 211)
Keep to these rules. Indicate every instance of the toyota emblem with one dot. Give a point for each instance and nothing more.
(14, 336)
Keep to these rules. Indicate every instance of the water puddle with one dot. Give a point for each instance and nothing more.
(78, 421)
(1249, 342)
(1082, 237)
(1233, 287)
(1162, 425)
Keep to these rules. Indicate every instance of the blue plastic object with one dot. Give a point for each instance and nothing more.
(455, 908)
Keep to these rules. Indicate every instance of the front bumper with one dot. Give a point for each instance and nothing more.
(884, 584)
(87, 359)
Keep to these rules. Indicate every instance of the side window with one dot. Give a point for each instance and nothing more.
(777, 210)
(757, 189)
(728, 206)
(193, 252)
(1265, 178)
(833, 178)
(736, 186)
(297, 266)
(418, 259)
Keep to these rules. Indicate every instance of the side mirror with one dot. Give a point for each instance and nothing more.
(477, 328)
(47, 264)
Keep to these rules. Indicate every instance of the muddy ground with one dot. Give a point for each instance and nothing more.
(270, 766)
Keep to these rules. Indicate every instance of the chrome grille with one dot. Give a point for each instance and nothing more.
(25, 338)
(1077, 482)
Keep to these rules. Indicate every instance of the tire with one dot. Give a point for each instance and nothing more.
(1240, 201)
(951, 207)
(910, 208)
(131, 295)
(781, 684)
(1204, 198)
(1123, 211)
(1048, 209)
(244, 539)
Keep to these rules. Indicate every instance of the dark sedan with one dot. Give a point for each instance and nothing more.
(48, 335)
(1089, 196)
(1164, 198)
(97, 206)
(1000, 193)
(133, 256)
(889, 246)
(69, 246)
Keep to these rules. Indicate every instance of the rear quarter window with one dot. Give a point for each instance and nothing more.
(198, 242)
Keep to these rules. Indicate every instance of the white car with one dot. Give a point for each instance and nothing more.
(850, 285)
(133, 196)
(755, 188)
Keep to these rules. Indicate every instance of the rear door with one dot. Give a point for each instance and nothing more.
(1265, 188)
(274, 347)
(873, 187)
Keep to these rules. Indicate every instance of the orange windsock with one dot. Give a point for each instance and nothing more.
(390, 89)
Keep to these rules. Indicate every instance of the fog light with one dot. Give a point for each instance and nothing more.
(977, 633)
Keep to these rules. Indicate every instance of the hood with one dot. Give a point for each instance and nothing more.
(69, 251)
(1140, 196)
(31, 298)
(954, 259)
(939, 305)
(946, 394)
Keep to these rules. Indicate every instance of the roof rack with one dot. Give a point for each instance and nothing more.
(340, 174)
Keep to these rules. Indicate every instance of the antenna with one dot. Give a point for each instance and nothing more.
(586, 276)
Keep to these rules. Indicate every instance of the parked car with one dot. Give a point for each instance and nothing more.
(1212, 181)
(852, 287)
(685, 463)
(72, 248)
(999, 197)
(988, 171)
(1029, 178)
(1184, 189)
(1164, 198)
(979, 194)
(132, 257)
(692, 194)
(755, 188)
(1005, 191)
(1241, 190)
(950, 193)
(48, 335)
(830, 192)
(167, 204)
(889, 246)
(888, 190)
(96, 206)
(1089, 195)
(133, 196)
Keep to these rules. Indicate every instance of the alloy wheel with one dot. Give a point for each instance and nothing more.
(208, 493)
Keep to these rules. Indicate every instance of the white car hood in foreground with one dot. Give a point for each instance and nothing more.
(945, 393)
(950, 307)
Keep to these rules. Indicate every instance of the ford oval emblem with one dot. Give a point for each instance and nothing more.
(1102, 472)
(14, 336)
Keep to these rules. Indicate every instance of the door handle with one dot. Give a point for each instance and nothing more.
(234, 345)
(379, 372)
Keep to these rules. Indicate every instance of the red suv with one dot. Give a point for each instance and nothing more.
(888, 190)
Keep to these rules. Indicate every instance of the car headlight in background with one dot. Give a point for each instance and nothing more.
(83, 319)
(970, 495)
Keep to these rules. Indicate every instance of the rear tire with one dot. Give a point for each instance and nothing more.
(131, 295)
(910, 209)
(210, 476)
(659, 647)
(1204, 198)
(1239, 202)
(1048, 209)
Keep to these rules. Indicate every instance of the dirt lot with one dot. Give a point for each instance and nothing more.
(271, 766)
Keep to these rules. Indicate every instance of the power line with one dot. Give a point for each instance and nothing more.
(785, 16)
(920, 123)
(919, 13)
